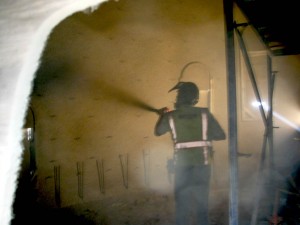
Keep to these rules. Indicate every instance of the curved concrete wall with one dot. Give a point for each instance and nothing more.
(25, 26)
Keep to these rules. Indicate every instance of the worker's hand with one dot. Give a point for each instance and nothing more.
(162, 111)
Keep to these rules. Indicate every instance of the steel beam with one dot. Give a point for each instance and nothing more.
(232, 112)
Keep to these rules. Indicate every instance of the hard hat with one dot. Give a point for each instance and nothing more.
(187, 93)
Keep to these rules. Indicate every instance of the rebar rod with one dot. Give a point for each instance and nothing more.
(57, 185)
(100, 171)
(80, 179)
(124, 169)
(146, 166)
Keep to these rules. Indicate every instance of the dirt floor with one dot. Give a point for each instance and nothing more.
(131, 209)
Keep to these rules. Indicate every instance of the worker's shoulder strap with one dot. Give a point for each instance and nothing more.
(204, 125)
(172, 126)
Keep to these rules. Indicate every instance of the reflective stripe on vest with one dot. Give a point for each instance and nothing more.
(192, 144)
(172, 126)
(204, 137)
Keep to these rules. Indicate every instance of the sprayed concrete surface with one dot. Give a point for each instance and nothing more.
(25, 26)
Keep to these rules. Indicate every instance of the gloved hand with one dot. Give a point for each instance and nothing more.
(162, 111)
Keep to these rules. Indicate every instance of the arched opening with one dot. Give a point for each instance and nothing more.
(99, 76)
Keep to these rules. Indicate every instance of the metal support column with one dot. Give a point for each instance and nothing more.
(232, 112)
(268, 122)
(271, 84)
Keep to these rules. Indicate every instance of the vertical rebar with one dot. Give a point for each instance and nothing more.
(100, 170)
(124, 168)
(146, 166)
(80, 179)
(57, 185)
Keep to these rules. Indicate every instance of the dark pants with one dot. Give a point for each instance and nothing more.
(191, 194)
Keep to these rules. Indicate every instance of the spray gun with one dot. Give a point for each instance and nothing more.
(162, 111)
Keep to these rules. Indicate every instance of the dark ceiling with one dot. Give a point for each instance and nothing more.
(276, 22)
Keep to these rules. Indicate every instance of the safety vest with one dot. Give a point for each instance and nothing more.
(204, 143)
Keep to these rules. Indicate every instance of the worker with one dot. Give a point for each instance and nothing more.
(193, 129)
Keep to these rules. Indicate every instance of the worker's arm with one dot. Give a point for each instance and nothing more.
(162, 126)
